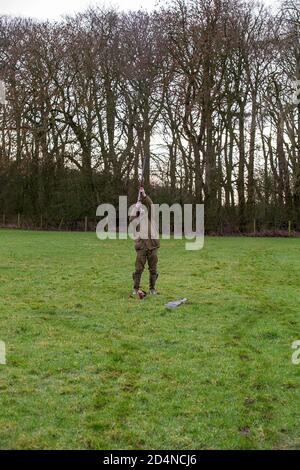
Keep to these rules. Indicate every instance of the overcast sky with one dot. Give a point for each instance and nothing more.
(53, 9)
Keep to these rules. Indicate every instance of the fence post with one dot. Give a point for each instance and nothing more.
(221, 227)
(290, 228)
(19, 220)
(3, 219)
(41, 221)
(85, 223)
(254, 226)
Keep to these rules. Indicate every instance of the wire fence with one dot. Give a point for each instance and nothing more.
(17, 221)
(256, 227)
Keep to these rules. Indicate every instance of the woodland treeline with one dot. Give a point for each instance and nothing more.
(204, 89)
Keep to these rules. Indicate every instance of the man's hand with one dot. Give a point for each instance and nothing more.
(142, 191)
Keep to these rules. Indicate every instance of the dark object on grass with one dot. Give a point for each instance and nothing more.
(175, 303)
(140, 293)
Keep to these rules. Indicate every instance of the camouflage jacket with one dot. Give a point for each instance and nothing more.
(149, 239)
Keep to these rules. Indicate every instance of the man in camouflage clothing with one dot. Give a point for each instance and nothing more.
(146, 245)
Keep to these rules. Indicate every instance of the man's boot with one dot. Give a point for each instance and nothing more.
(152, 281)
(136, 282)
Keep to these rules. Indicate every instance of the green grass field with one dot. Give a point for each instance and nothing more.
(88, 367)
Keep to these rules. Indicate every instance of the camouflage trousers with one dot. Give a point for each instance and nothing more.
(141, 257)
(146, 255)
